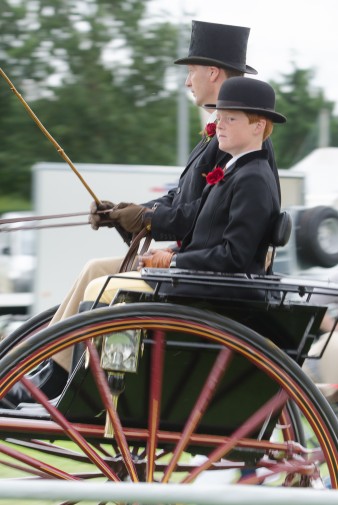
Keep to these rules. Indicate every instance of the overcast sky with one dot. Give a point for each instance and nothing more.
(282, 31)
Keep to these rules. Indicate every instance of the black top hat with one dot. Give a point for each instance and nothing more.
(221, 45)
(251, 95)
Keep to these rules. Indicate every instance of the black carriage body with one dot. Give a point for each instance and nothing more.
(288, 324)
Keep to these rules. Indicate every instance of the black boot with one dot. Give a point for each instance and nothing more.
(50, 377)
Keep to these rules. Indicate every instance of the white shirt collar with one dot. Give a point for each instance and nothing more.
(235, 158)
(211, 118)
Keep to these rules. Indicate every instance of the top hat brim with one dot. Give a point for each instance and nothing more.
(201, 60)
(274, 116)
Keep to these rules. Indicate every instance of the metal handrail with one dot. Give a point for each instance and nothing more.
(199, 494)
(284, 284)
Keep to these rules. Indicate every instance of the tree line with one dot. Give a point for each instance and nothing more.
(100, 77)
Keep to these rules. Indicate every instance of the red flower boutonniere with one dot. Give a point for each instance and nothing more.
(216, 175)
(209, 131)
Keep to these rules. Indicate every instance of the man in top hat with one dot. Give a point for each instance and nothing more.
(236, 214)
(216, 53)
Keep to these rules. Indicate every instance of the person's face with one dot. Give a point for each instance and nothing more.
(199, 81)
(235, 134)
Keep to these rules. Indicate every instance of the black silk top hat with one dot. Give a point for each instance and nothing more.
(223, 46)
(250, 95)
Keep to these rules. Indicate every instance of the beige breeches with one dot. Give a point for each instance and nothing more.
(70, 304)
(133, 283)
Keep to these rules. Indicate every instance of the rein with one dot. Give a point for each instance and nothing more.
(8, 229)
(126, 237)
(39, 218)
(22, 219)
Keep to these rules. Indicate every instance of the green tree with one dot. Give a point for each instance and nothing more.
(15, 55)
(301, 104)
(334, 131)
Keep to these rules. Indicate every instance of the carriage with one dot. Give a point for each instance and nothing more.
(172, 388)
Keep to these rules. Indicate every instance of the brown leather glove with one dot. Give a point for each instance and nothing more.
(97, 220)
(122, 205)
(157, 258)
(129, 216)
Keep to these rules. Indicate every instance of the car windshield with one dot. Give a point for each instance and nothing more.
(27, 242)
(20, 242)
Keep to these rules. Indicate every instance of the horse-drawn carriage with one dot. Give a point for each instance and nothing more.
(165, 387)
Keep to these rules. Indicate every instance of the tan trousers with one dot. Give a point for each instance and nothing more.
(133, 283)
(70, 304)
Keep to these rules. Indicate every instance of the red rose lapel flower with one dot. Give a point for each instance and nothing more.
(209, 131)
(216, 175)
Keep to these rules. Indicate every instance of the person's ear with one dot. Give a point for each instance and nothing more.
(214, 73)
(260, 126)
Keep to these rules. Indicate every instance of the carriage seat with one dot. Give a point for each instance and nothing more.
(282, 230)
(280, 235)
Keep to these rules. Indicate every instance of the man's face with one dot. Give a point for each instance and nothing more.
(235, 134)
(200, 83)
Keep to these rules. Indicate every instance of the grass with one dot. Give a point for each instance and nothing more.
(14, 204)
(65, 465)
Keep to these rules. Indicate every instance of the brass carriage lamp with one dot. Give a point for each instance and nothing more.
(120, 351)
(119, 354)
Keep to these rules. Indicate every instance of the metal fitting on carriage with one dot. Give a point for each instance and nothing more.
(120, 351)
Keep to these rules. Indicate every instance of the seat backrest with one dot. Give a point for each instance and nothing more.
(279, 238)
(282, 230)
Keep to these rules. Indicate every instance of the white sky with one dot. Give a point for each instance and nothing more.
(282, 31)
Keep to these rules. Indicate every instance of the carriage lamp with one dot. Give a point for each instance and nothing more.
(119, 354)
(120, 351)
(116, 385)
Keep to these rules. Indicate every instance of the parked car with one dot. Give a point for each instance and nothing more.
(17, 256)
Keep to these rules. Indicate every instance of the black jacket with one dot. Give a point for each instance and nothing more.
(232, 227)
(177, 206)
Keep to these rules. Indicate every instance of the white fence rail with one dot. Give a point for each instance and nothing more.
(163, 494)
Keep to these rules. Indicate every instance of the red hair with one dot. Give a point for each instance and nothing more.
(254, 118)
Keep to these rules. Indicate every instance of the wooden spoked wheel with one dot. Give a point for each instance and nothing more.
(210, 395)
